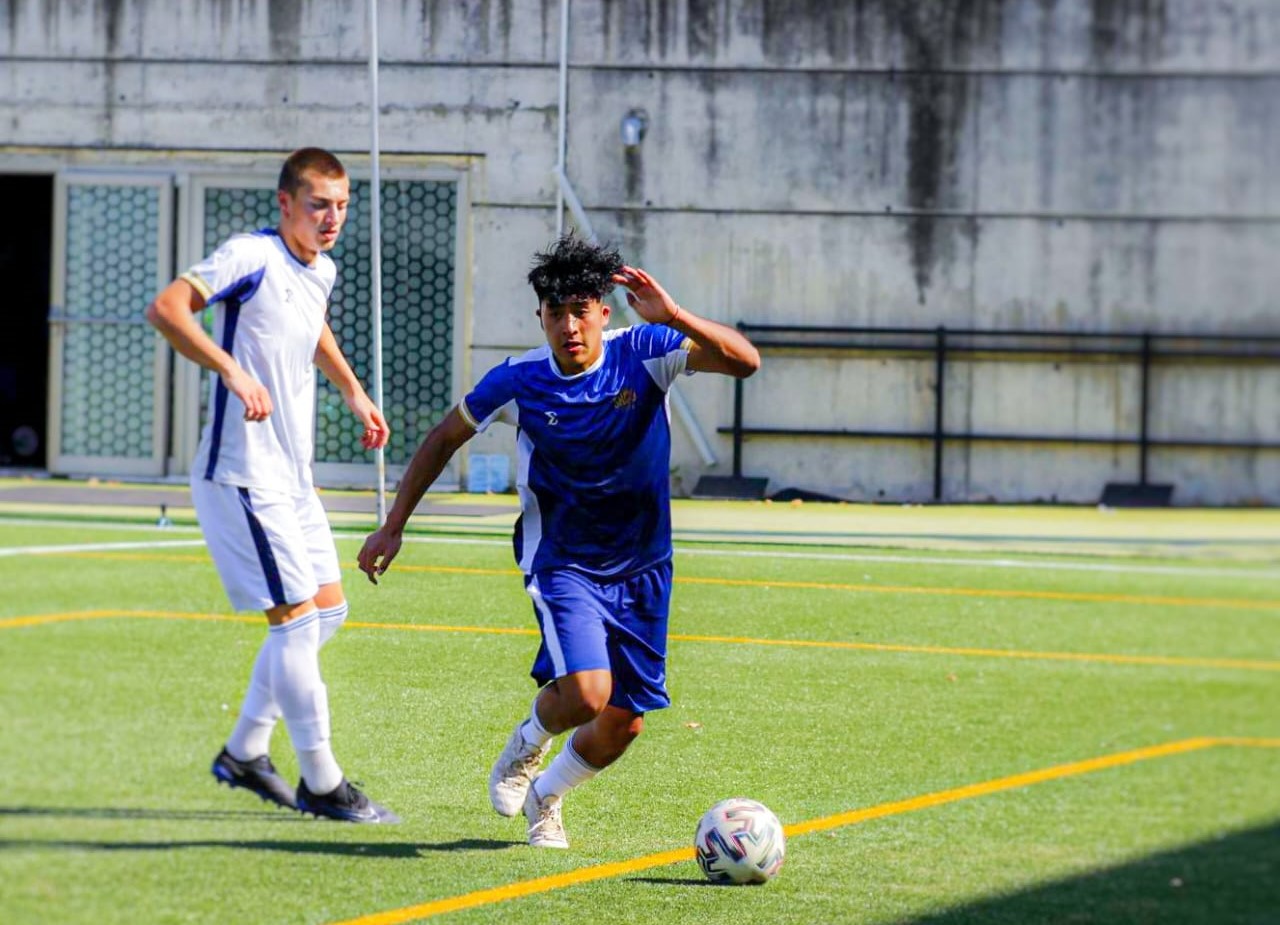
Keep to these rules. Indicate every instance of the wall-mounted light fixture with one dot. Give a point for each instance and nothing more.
(633, 127)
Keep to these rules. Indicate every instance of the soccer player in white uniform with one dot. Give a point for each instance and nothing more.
(594, 535)
(251, 480)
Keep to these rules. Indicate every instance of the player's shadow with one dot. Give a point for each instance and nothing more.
(343, 849)
(674, 881)
(182, 815)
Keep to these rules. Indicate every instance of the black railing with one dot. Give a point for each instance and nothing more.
(943, 344)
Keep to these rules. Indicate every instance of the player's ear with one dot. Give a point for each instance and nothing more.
(604, 311)
(283, 199)
(538, 312)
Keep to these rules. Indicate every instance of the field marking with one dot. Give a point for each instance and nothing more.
(1001, 593)
(1002, 563)
(1089, 596)
(1054, 564)
(899, 807)
(75, 615)
(1164, 661)
(85, 548)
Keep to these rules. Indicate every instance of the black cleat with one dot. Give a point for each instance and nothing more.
(258, 775)
(346, 804)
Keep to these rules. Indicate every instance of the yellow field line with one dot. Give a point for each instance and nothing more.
(603, 871)
(1242, 603)
(1084, 596)
(42, 619)
(1168, 661)
(1172, 661)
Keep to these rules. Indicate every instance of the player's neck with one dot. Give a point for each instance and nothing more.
(301, 253)
(576, 366)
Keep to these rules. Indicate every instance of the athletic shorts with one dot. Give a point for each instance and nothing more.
(269, 547)
(619, 625)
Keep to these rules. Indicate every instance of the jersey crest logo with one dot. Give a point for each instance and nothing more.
(551, 419)
(625, 399)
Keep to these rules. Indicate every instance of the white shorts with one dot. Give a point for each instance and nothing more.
(270, 548)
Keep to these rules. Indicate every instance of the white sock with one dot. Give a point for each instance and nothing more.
(294, 650)
(532, 730)
(251, 737)
(331, 620)
(566, 772)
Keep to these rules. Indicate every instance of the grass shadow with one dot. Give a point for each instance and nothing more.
(1232, 880)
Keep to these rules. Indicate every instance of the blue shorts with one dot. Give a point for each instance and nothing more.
(620, 626)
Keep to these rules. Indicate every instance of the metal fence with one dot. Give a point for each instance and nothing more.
(946, 347)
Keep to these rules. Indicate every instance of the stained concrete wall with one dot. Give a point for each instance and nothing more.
(1069, 164)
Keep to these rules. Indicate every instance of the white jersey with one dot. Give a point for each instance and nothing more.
(269, 314)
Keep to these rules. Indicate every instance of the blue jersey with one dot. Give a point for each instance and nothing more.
(594, 451)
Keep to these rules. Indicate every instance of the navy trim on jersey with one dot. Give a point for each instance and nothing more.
(241, 290)
(233, 297)
(268, 558)
(273, 233)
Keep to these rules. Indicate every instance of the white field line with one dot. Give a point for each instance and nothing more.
(1190, 571)
(1050, 564)
(93, 524)
(92, 547)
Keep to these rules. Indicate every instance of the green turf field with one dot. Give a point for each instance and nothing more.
(1046, 717)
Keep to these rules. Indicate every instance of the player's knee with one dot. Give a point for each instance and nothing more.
(585, 695)
(629, 731)
(588, 705)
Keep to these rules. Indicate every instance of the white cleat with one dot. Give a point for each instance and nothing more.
(546, 828)
(513, 773)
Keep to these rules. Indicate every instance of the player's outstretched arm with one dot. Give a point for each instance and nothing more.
(716, 348)
(172, 313)
(428, 462)
(336, 369)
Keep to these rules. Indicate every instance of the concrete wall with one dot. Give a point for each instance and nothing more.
(1074, 164)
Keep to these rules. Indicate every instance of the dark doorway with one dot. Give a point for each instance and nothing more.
(25, 257)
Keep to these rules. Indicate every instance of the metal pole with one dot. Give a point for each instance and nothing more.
(737, 428)
(563, 112)
(939, 371)
(375, 250)
(1144, 409)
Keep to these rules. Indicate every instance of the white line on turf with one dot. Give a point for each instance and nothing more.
(1058, 564)
(82, 525)
(93, 547)
(1190, 571)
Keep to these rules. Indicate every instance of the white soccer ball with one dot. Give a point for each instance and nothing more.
(739, 841)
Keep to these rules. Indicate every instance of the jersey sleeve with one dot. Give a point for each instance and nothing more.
(235, 267)
(492, 399)
(664, 352)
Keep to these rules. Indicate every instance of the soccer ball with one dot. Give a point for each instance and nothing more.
(739, 841)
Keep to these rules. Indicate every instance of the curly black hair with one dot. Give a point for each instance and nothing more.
(573, 269)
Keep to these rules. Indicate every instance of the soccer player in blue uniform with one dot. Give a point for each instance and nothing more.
(594, 534)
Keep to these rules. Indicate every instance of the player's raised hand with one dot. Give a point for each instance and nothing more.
(377, 552)
(649, 299)
(252, 394)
